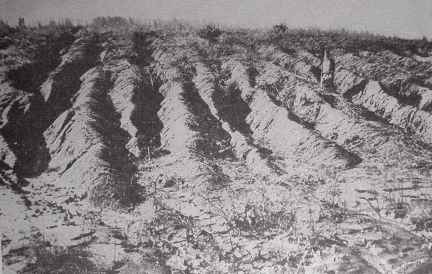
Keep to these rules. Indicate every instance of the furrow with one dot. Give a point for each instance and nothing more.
(21, 112)
(137, 103)
(402, 77)
(271, 125)
(87, 146)
(228, 117)
(341, 121)
(25, 113)
(64, 81)
(303, 64)
(377, 144)
(190, 133)
(370, 95)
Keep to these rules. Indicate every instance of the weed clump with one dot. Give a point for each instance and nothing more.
(210, 32)
(261, 218)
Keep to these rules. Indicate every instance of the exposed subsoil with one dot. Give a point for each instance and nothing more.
(154, 154)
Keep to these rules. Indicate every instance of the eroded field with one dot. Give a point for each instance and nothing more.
(163, 152)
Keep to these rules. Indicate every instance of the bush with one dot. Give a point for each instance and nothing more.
(5, 29)
(280, 28)
(210, 32)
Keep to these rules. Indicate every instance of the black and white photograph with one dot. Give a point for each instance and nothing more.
(215, 136)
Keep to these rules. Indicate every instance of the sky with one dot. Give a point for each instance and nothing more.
(405, 18)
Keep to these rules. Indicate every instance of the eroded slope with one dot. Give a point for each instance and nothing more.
(160, 152)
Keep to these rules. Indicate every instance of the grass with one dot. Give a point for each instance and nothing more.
(260, 218)
(65, 260)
